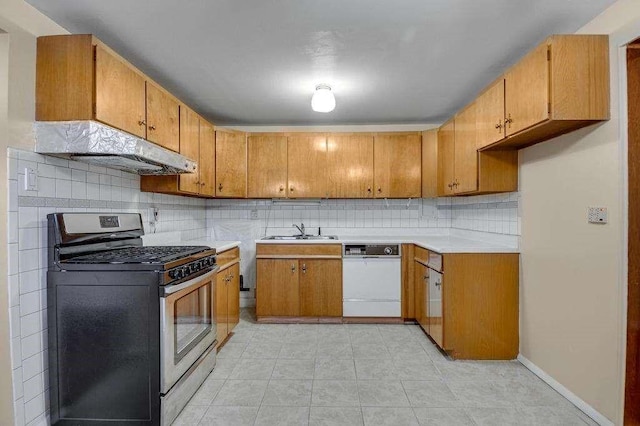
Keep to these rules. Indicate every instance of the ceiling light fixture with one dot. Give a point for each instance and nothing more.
(323, 99)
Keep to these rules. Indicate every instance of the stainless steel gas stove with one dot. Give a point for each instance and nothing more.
(131, 329)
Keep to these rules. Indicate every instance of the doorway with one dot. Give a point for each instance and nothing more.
(632, 380)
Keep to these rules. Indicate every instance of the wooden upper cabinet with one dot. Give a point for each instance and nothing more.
(490, 115)
(350, 165)
(465, 151)
(120, 94)
(267, 165)
(430, 163)
(397, 165)
(231, 164)
(446, 151)
(307, 165)
(207, 161)
(190, 147)
(163, 112)
(527, 91)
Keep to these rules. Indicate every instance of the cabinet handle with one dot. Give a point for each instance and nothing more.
(499, 126)
(142, 122)
(152, 127)
(369, 190)
(508, 120)
(293, 267)
(220, 187)
(456, 183)
(304, 268)
(281, 188)
(202, 183)
(450, 186)
(379, 190)
(291, 189)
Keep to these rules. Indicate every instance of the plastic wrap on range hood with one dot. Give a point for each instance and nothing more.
(96, 143)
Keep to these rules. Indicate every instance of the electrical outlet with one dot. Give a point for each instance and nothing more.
(254, 215)
(597, 215)
(30, 179)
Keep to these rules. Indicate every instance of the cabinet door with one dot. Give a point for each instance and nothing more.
(120, 94)
(490, 115)
(435, 316)
(307, 166)
(430, 163)
(221, 305)
(163, 124)
(320, 287)
(233, 297)
(277, 286)
(190, 147)
(527, 91)
(421, 294)
(465, 165)
(207, 162)
(350, 165)
(267, 166)
(231, 164)
(446, 148)
(397, 166)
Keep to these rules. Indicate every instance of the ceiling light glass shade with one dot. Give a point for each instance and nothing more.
(323, 99)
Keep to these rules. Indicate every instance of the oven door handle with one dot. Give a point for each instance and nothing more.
(177, 287)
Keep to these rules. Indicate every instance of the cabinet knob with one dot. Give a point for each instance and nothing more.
(142, 122)
(202, 183)
(220, 187)
(379, 190)
(369, 190)
(293, 267)
(499, 126)
(304, 268)
(281, 188)
(291, 189)
(152, 127)
(450, 185)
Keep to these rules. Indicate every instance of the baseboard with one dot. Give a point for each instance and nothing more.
(572, 397)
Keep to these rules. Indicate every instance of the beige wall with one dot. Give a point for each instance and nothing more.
(23, 24)
(573, 283)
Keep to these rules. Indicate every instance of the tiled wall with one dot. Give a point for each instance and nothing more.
(487, 213)
(64, 186)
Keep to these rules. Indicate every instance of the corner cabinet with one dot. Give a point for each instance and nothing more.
(197, 141)
(298, 282)
(80, 78)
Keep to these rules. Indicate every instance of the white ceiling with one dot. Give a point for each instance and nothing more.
(258, 61)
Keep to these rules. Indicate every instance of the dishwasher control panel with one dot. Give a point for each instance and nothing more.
(368, 250)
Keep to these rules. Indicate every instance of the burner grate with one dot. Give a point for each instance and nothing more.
(149, 254)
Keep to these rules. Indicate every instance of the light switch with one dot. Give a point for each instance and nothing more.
(30, 179)
(598, 215)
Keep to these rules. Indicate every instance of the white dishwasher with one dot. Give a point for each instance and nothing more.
(371, 280)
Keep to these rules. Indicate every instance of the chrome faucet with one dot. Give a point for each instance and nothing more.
(301, 229)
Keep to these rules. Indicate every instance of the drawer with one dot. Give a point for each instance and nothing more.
(299, 250)
(228, 256)
(421, 254)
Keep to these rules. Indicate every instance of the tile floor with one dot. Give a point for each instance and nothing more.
(332, 374)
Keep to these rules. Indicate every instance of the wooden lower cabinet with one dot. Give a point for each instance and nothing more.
(471, 310)
(320, 287)
(277, 289)
(227, 301)
(298, 280)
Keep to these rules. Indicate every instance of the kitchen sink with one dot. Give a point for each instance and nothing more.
(301, 237)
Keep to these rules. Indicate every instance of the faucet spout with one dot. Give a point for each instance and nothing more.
(301, 229)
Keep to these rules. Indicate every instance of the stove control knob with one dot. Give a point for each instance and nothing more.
(178, 273)
(388, 251)
(172, 274)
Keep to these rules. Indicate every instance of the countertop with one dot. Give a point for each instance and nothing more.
(437, 243)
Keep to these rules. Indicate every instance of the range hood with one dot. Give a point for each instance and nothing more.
(96, 143)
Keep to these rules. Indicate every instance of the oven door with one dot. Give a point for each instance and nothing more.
(188, 325)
